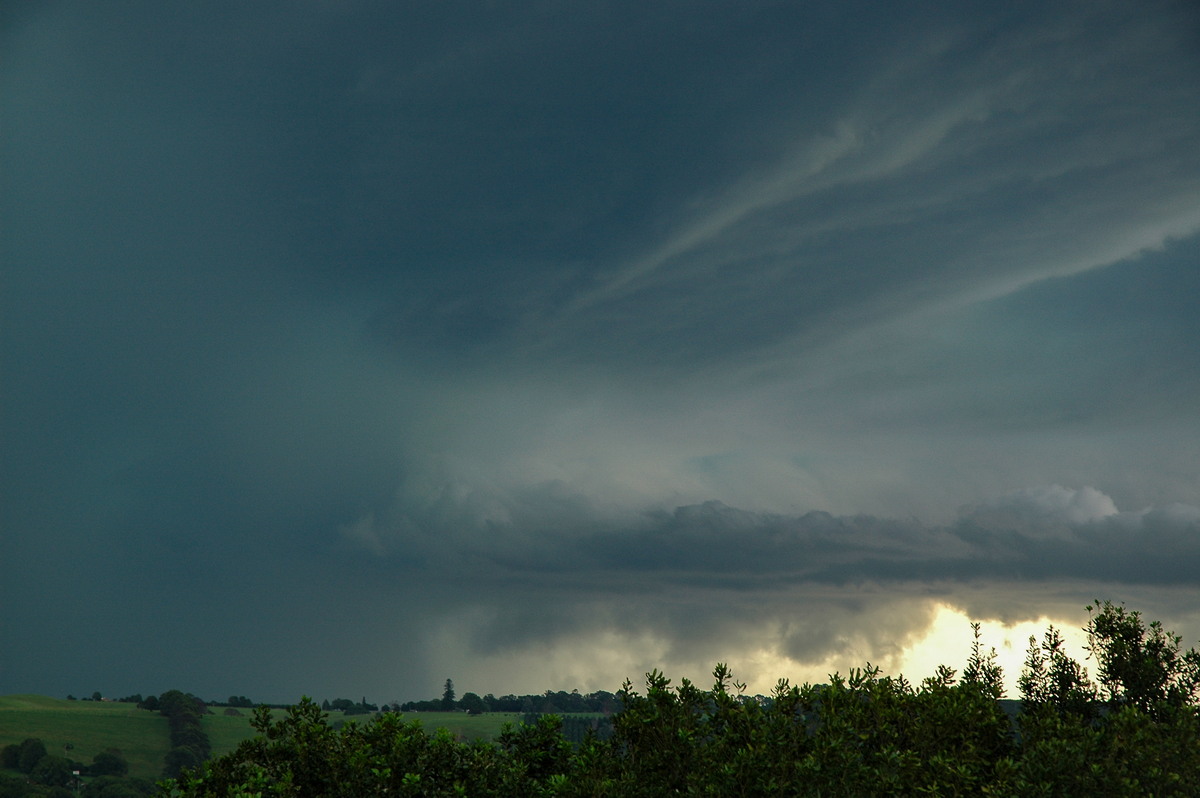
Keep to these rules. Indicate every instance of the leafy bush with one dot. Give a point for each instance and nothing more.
(29, 754)
(864, 734)
(106, 763)
(52, 771)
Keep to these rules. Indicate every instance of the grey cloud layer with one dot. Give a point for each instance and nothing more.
(543, 571)
(539, 323)
(965, 167)
(1047, 534)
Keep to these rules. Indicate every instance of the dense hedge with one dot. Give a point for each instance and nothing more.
(1135, 732)
(189, 743)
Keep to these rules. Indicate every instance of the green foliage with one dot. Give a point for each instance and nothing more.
(55, 776)
(189, 742)
(177, 704)
(12, 786)
(1053, 683)
(577, 728)
(53, 771)
(29, 753)
(982, 671)
(471, 702)
(538, 751)
(863, 734)
(549, 703)
(115, 787)
(86, 728)
(348, 707)
(1137, 735)
(1141, 664)
(301, 754)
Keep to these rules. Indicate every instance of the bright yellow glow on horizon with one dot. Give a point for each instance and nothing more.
(948, 642)
(601, 661)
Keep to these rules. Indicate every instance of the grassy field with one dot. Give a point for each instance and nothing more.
(90, 727)
(225, 731)
(466, 727)
(87, 727)
(81, 729)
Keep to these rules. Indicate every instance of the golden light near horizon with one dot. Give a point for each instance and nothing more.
(946, 641)
(591, 662)
(761, 654)
(949, 637)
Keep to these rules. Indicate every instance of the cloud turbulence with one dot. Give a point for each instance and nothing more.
(345, 347)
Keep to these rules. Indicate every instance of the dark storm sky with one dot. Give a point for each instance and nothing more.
(347, 346)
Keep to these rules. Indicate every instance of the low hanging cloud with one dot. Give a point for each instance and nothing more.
(1048, 505)
(545, 568)
(1042, 533)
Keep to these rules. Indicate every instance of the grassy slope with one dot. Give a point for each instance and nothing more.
(90, 727)
(94, 726)
(141, 737)
(225, 732)
(466, 727)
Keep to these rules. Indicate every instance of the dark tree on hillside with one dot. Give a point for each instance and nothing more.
(31, 751)
(52, 771)
(448, 696)
(12, 785)
(107, 763)
(180, 758)
(176, 702)
(117, 787)
(189, 742)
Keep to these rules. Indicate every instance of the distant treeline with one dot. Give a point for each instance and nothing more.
(150, 702)
(549, 702)
(348, 707)
(558, 702)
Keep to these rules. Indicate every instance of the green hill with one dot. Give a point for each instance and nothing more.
(463, 726)
(89, 727)
(81, 729)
